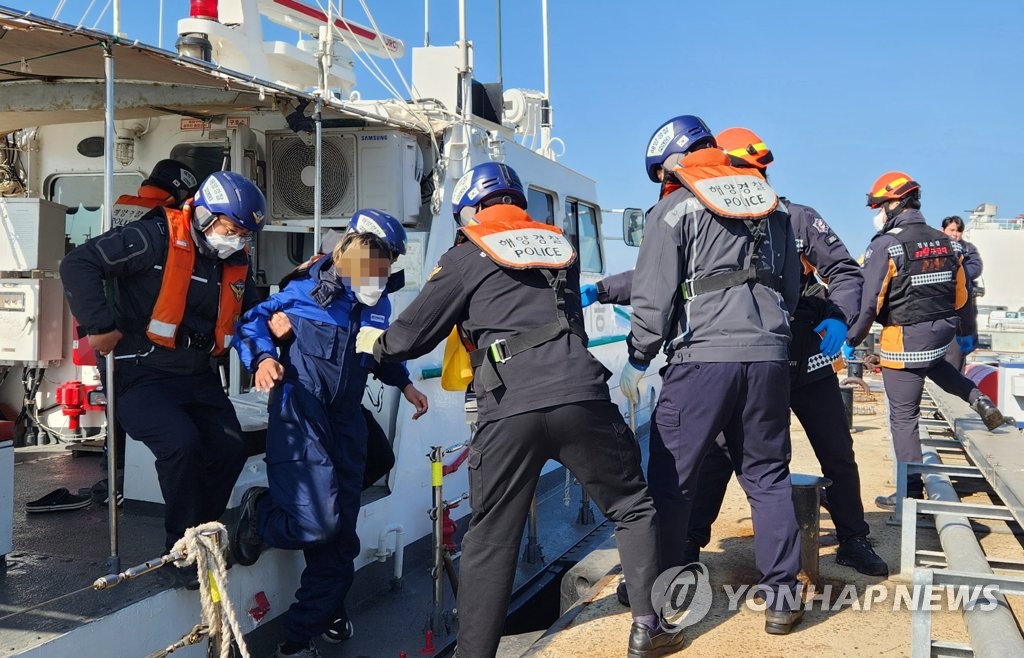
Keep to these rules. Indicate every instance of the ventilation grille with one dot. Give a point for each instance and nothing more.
(293, 175)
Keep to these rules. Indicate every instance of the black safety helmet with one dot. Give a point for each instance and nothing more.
(175, 178)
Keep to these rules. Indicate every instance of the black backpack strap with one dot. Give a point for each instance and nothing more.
(750, 274)
(485, 358)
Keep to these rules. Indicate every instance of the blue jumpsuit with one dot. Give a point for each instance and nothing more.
(316, 434)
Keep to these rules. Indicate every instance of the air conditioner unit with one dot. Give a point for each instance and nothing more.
(360, 169)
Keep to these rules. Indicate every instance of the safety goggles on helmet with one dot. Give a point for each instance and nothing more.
(745, 148)
(891, 186)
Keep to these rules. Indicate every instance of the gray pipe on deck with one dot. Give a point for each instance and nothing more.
(993, 633)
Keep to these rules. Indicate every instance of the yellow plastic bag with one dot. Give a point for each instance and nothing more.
(456, 370)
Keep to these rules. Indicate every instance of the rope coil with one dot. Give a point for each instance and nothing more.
(202, 546)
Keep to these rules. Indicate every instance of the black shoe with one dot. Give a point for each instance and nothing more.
(183, 577)
(341, 629)
(246, 544)
(781, 622)
(309, 651)
(857, 553)
(645, 643)
(691, 552)
(59, 500)
(621, 594)
(989, 412)
(889, 502)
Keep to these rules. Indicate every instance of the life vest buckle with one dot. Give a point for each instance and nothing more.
(500, 352)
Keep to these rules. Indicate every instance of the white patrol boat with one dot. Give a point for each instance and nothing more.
(84, 115)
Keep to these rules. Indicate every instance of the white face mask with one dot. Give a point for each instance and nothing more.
(880, 219)
(225, 244)
(370, 293)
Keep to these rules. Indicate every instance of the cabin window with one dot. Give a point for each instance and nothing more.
(580, 225)
(83, 195)
(204, 158)
(540, 205)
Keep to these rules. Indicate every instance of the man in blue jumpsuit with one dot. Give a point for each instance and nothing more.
(715, 283)
(182, 278)
(953, 226)
(915, 287)
(316, 436)
(511, 286)
(814, 394)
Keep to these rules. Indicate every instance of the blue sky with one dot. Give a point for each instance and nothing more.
(841, 91)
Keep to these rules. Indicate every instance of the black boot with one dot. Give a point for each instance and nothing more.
(645, 643)
(621, 594)
(246, 544)
(781, 622)
(857, 553)
(989, 412)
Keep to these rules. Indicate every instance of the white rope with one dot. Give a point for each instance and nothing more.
(60, 8)
(204, 546)
(102, 13)
(87, 10)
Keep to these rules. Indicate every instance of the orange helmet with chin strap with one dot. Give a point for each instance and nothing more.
(745, 148)
(891, 186)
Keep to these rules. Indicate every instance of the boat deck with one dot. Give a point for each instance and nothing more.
(598, 626)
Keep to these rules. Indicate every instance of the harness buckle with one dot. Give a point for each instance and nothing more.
(688, 289)
(500, 352)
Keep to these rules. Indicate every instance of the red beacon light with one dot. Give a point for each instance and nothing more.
(204, 9)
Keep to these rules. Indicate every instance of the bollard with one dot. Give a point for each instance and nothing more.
(807, 505)
(847, 393)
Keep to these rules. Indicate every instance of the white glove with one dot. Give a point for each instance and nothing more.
(629, 381)
(366, 338)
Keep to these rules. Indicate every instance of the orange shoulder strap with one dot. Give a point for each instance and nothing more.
(729, 192)
(511, 239)
(232, 289)
(181, 259)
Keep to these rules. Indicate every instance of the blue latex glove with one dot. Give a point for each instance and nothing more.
(847, 352)
(629, 380)
(835, 333)
(588, 294)
(966, 344)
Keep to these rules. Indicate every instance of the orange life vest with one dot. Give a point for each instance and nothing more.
(170, 303)
(727, 191)
(511, 239)
(129, 208)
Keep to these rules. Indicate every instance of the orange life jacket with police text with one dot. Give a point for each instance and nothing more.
(170, 303)
(129, 208)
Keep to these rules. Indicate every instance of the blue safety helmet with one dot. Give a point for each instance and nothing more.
(234, 196)
(382, 225)
(680, 135)
(490, 181)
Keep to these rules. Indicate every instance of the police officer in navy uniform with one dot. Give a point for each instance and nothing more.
(716, 279)
(512, 287)
(953, 226)
(182, 279)
(915, 287)
(814, 395)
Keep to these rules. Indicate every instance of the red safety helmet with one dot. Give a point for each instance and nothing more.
(891, 186)
(745, 148)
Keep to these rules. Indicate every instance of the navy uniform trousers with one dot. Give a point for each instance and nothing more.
(749, 404)
(316, 455)
(819, 407)
(190, 426)
(903, 389)
(505, 460)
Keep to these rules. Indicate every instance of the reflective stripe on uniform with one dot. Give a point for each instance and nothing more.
(930, 278)
(819, 361)
(896, 250)
(914, 357)
(165, 329)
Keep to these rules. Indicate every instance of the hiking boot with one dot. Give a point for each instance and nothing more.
(645, 643)
(341, 629)
(889, 502)
(246, 544)
(309, 651)
(859, 554)
(989, 412)
(781, 622)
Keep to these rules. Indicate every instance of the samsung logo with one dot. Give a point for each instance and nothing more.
(375, 138)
